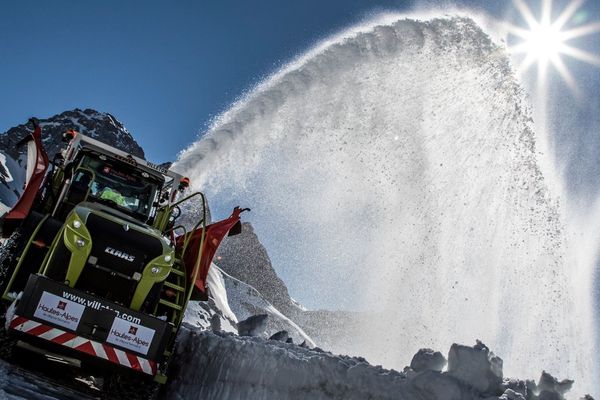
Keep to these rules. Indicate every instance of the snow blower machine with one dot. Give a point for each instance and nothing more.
(95, 271)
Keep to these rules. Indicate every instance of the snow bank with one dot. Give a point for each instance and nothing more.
(231, 301)
(228, 367)
(19, 384)
(245, 301)
(225, 366)
(218, 292)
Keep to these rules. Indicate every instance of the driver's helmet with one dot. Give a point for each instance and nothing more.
(113, 195)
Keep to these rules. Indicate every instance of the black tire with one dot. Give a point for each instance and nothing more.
(7, 344)
(129, 387)
(7, 257)
(8, 253)
(13, 247)
(7, 262)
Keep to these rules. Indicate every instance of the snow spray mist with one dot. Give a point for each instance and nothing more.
(393, 169)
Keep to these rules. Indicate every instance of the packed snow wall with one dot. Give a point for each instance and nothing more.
(393, 169)
(224, 366)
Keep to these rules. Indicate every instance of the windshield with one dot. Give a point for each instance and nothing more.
(117, 184)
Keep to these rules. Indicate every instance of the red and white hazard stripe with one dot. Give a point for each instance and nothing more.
(83, 345)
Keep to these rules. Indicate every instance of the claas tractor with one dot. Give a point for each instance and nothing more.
(95, 269)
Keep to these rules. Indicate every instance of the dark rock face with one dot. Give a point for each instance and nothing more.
(245, 258)
(98, 125)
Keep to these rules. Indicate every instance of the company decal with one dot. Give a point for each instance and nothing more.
(107, 170)
(129, 159)
(158, 168)
(95, 304)
(120, 254)
(59, 311)
(130, 335)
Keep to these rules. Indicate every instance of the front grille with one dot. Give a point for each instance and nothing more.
(117, 254)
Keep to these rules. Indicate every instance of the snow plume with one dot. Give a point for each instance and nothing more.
(395, 167)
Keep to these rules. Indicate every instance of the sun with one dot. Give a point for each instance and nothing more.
(545, 41)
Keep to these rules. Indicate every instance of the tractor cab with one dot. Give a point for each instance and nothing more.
(115, 184)
(90, 171)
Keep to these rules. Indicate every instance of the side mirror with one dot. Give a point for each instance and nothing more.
(69, 135)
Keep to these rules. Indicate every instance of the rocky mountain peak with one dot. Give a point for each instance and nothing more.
(98, 125)
(245, 258)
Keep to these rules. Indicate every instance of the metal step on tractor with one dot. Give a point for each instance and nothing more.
(95, 271)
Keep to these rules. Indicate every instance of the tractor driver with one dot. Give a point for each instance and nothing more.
(113, 195)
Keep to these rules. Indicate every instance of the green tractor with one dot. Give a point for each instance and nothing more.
(96, 272)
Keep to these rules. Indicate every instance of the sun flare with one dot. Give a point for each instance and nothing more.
(545, 41)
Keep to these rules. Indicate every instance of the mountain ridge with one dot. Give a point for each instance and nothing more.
(95, 124)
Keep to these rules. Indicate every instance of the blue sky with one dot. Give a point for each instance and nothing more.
(163, 68)
(166, 68)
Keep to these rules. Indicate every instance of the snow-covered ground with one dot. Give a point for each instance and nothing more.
(19, 384)
(221, 365)
(213, 362)
(232, 301)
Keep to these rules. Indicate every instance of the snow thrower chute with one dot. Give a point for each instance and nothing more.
(200, 245)
(36, 161)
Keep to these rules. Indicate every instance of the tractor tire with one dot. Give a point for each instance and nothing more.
(129, 387)
(8, 252)
(7, 261)
(7, 345)
(13, 248)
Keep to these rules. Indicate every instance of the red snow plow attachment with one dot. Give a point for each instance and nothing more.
(36, 166)
(202, 246)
